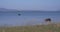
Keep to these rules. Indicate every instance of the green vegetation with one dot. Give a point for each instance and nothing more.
(34, 28)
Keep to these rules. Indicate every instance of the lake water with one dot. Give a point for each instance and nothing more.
(28, 17)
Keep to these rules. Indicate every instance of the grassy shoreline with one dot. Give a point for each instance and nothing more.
(33, 28)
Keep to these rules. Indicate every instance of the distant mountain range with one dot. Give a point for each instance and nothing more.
(3, 9)
(8, 10)
(14, 10)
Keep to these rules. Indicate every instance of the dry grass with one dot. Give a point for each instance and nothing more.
(36, 28)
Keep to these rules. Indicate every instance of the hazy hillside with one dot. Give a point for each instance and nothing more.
(3, 10)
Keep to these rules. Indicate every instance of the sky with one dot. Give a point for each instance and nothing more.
(31, 4)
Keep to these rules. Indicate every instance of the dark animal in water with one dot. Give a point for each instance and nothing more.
(19, 14)
(48, 19)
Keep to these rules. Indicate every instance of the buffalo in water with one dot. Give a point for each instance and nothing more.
(48, 19)
(19, 14)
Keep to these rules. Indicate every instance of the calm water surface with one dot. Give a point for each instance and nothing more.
(27, 17)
